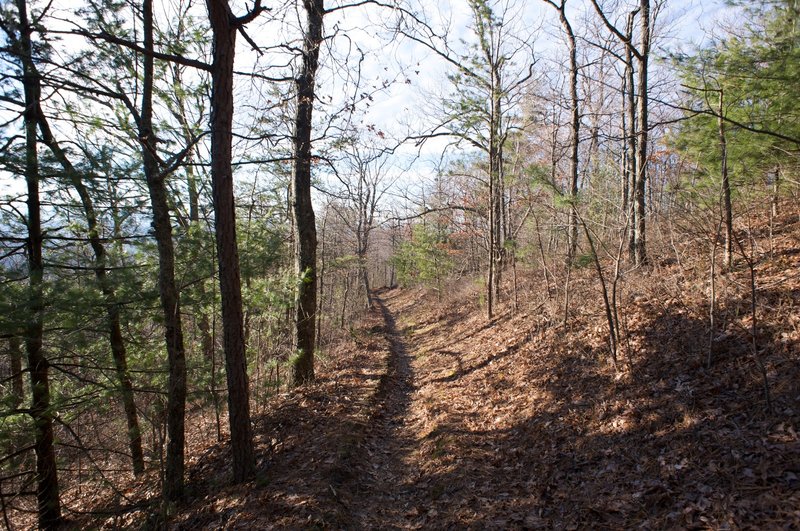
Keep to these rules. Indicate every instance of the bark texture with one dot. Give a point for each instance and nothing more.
(224, 27)
(305, 231)
(168, 289)
(640, 250)
(726, 184)
(48, 503)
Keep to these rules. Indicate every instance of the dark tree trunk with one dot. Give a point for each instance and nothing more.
(224, 26)
(630, 144)
(496, 192)
(575, 129)
(170, 296)
(49, 505)
(305, 231)
(642, 147)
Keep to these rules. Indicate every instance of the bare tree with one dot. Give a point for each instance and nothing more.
(364, 183)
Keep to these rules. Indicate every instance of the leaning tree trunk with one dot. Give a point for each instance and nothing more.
(168, 289)
(49, 505)
(116, 342)
(225, 28)
(305, 232)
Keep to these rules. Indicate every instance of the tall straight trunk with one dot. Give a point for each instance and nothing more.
(726, 185)
(491, 273)
(630, 143)
(496, 192)
(574, 135)
(321, 294)
(363, 229)
(642, 142)
(48, 503)
(305, 231)
(168, 289)
(224, 26)
(116, 342)
(623, 168)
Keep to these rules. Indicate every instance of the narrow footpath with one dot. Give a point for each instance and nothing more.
(421, 463)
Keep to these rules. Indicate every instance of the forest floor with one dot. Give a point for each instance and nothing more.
(430, 416)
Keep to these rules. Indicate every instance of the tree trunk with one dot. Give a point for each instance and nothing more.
(776, 191)
(630, 144)
(305, 231)
(575, 124)
(574, 137)
(496, 177)
(49, 505)
(490, 276)
(642, 147)
(225, 28)
(168, 289)
(321, 295)
(362, 272)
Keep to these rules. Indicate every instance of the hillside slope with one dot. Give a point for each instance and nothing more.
(432, 417)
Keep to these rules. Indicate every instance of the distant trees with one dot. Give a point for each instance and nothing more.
(638, 119)
(423, 258)
(362, 181)
(489, 83)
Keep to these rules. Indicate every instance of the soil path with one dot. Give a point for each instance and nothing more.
(431, 456)
(389, 469)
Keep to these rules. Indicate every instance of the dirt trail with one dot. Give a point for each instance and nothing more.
(428, 460)
(388, 470)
